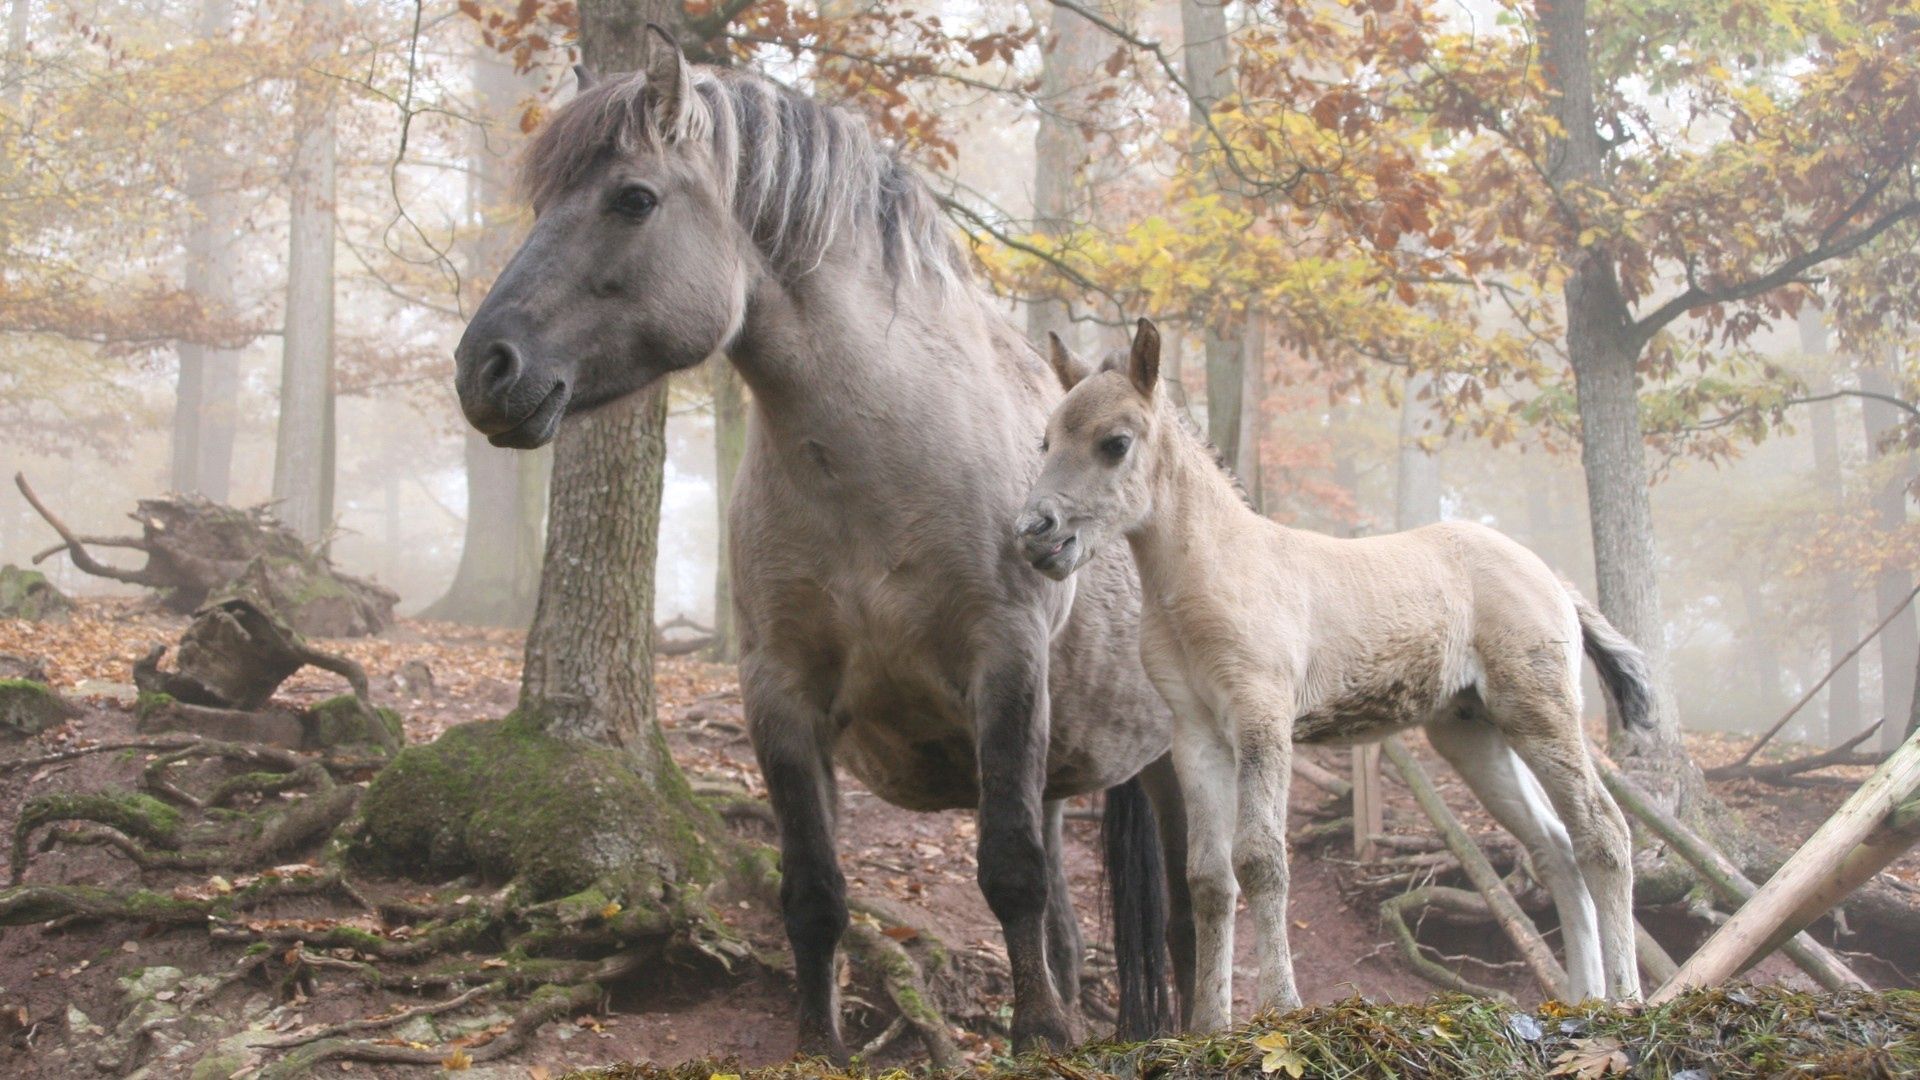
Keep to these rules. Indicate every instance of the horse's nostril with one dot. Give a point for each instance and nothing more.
(1040, 524)
(502, 367)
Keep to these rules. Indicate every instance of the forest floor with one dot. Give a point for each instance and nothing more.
(66, 991)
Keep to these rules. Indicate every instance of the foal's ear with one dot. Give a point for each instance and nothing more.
(1143, 363)
(583, 78)
(1068, 368)
(669, 82)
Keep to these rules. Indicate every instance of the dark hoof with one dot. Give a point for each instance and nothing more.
(823, 1045)
(1045, 1033)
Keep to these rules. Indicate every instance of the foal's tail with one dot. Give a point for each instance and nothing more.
(1136, 886)
(1622, 666)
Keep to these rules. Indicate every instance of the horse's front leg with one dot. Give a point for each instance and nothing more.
(790, 739)
(1009, 699)
(1204, 759)
(1263, 732)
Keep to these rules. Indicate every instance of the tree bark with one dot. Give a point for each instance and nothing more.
(304, 448)
(1253, 392)
(1069, 69)
(1843, 618)
(1900, 641)
(729, 446)
(1209, 73)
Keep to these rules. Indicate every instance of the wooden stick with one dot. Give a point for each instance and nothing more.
(1727, 881)
(1654, 959)
(1768, 735)
(1506, 910)
(1369, 806)
(76, 550)
(1900, 831)
(1321, 777)
(1798, 885)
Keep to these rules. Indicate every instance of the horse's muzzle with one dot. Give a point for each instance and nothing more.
(511, 404)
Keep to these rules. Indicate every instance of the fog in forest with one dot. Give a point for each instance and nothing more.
(165, 157)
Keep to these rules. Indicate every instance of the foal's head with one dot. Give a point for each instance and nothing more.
(634, 267)
(1095, 484)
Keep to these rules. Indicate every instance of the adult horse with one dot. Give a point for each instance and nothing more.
(888, 620)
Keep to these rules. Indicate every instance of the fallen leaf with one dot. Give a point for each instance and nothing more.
(1591, 1059)
(457, 1060)
(1279, 1055)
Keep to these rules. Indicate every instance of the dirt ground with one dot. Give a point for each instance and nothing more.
(66, 992)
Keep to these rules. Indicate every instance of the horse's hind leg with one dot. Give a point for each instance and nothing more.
(1481, 756)
(788, 738)
(1170, 814)
(1534, 701)
(1065, 950)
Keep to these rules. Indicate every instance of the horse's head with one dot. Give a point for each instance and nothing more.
(634, 267)
(1095, 484)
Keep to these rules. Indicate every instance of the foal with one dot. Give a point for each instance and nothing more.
(1260, 636)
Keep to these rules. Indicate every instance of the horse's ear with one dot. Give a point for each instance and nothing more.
(1143, 363)
(1068, 368)
(583, 78)
(669, 81)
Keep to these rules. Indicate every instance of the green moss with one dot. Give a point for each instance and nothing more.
(343, 721)
(27, 594)
(507, 800)
(139, 816)
(150, 702)
(29, 708)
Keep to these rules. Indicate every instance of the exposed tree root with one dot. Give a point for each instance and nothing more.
(1458, 902)
(380, 1023)
(900, 976)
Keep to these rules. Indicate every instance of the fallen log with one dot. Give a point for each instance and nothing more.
(198, 550)
(1782, 770)
(1808, 881)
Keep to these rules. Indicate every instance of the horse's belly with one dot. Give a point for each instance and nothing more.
(907, 738)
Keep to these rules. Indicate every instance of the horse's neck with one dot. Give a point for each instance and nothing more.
(1197, 515)
(853, 358)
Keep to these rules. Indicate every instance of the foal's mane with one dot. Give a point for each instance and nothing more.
(800, 175)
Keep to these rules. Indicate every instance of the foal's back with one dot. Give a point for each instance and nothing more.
(1398, 627)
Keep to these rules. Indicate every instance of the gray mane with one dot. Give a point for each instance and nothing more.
(799, 174)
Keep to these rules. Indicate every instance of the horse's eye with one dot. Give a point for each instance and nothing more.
(1115, 446)
(635, 201)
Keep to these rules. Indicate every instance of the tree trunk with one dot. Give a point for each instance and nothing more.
(1843, 618)
(1604, 347)
(1900, 641)
(1416, 489)
(729, 446)
(1209, 74)
(1253, 388)
(499, 571)
(1069, 69)
(304, 448)
(589, 663)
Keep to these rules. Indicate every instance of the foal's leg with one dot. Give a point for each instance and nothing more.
(1539, 714)
(1481, 756)
(1170, 814)
(1263, 728)
(1009, 698)
(1065, 950)
(1205, 762)
(789, 738)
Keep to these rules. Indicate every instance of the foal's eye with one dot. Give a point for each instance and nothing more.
(1115, 446)
(635, 201)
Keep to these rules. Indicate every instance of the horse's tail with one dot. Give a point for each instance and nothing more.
(1136, 887)
(1622, 666)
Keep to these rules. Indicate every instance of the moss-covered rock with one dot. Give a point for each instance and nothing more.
(506, 800)
(27, 594)
(343, 721)
(29, 708)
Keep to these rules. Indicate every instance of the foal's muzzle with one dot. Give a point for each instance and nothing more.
(1052, 551)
